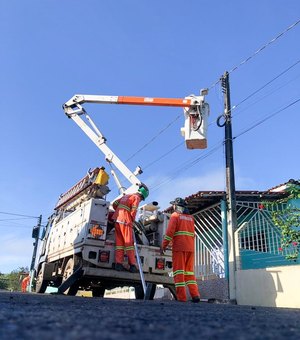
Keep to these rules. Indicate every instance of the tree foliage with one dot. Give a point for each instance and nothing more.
(288, 220)
(3, 281)
(12, 281)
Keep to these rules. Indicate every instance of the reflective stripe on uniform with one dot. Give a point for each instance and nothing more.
(179, 284)
(178, 272)
(185, 233)
(122, 206)
(168, 238)
(188, 273)
(120, 248)
(129, 248)
(191, 282)
(121, 222)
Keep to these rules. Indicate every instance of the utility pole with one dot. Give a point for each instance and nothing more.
(230, 186)
(35, 235)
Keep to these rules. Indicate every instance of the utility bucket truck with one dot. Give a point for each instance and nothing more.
(76, 249)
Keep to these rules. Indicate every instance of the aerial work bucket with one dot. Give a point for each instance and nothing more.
(195, 126)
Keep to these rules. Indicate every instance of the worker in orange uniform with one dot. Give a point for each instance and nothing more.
(25, 283)
(124, 216)
(181, 232)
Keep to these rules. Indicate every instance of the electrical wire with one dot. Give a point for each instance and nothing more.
(265, 46)
(258, 51)
(266, 118)
(185, 167)
(265, 85)
(15, 219)
(172, 149)
(153, 138)
(28, 216)
(235, 114)
(233, 107)
(216, 147)
(16, 226)
(164, 155)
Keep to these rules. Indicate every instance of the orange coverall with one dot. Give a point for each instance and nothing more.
(25, 283)
(181, 231)
(124, 215)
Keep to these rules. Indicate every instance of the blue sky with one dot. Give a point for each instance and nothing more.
(51, 50)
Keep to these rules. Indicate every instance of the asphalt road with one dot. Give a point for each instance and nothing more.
(33, 316)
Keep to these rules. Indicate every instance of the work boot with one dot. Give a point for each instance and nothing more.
(196, 299)
(133, 269)
(119, 267)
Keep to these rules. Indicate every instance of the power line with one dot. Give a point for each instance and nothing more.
(153, 138)
(266, 95)
(265, 85)
(214, 149)
(7, 213)
(171, 150)
(187, 166)
(164, 155)
(190, 164)
(15, 226)
(258, 51)
(265, 46)
(235, 106)
(266, 118)
(15, 219)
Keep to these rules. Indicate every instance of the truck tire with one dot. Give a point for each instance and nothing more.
(41, 283)
(68, 271)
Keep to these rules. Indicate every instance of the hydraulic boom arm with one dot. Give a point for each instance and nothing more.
(195, 110)
(79, 99)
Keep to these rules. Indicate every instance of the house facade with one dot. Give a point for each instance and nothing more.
(261, 275)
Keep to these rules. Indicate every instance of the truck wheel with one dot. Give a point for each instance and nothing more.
(41, 283)
(69, 270)
(98, 292)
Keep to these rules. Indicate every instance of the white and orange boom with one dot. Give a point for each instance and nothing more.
(196, 112)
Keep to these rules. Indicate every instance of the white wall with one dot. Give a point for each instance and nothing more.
(271, 287)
